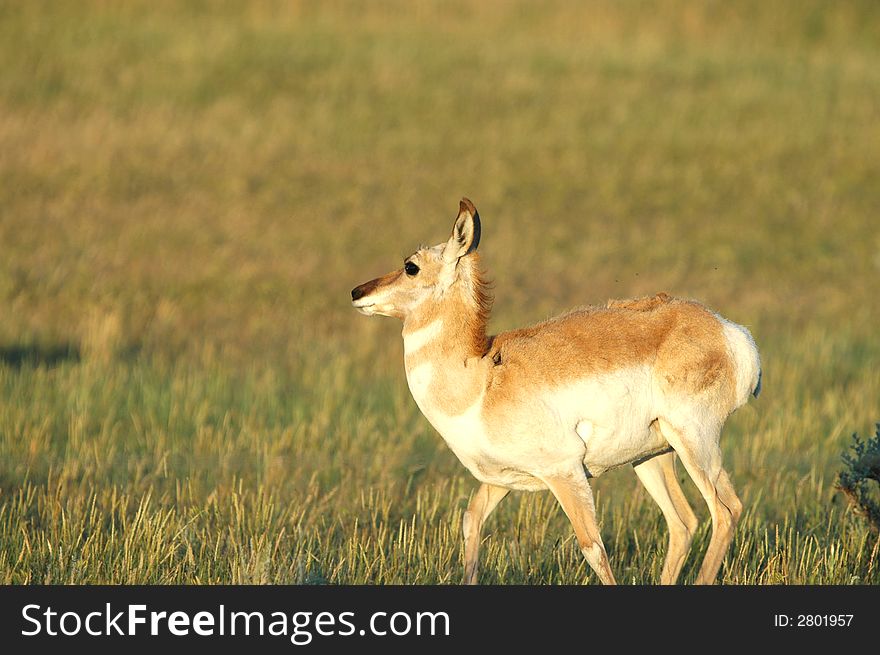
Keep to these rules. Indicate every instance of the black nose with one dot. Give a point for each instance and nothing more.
(356, 293)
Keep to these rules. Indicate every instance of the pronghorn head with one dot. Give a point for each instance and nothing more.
(427, 273)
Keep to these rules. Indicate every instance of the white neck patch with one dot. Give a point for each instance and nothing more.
(418, 339)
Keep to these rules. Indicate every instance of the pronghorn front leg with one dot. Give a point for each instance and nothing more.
(576, 497)
(484, 501)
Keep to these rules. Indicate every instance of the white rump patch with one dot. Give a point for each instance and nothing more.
(745, 357)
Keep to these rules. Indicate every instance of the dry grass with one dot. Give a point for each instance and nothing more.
(188, 193)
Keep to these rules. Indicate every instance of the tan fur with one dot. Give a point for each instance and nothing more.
(680, 339)
(483, 502)
(660, 374)
(640, 304)
(465, 312)
(657, 475)
(577, 503)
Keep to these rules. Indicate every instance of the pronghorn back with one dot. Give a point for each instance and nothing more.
(689, 348)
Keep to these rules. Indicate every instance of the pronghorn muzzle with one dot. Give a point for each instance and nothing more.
(358, 292)
(364, 297)
(365, 289)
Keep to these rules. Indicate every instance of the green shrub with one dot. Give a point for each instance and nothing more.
(863, 464)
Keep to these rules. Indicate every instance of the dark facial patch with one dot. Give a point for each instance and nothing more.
(367, 288)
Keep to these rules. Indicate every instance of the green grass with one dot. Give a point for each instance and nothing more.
(188, 191)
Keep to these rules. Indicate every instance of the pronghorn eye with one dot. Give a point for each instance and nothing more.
(410, 268)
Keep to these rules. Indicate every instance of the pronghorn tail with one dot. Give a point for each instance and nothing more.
(746, 361)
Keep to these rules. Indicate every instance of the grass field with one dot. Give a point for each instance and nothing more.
(188, 192)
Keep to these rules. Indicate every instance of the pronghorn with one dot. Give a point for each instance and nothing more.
(549, 406)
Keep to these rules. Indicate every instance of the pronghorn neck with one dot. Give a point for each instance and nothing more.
(444, 340)
(454, 320)
(440, 333)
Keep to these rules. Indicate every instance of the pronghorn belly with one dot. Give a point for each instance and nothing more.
(502, 474)
(504, 465)
(608, 448)
(612, 415)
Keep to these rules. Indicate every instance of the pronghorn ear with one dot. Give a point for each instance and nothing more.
(465, 233)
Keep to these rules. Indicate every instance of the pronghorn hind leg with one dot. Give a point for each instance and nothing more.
(700, 453)
(659, 479)
(576, 497)
(483, 502)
